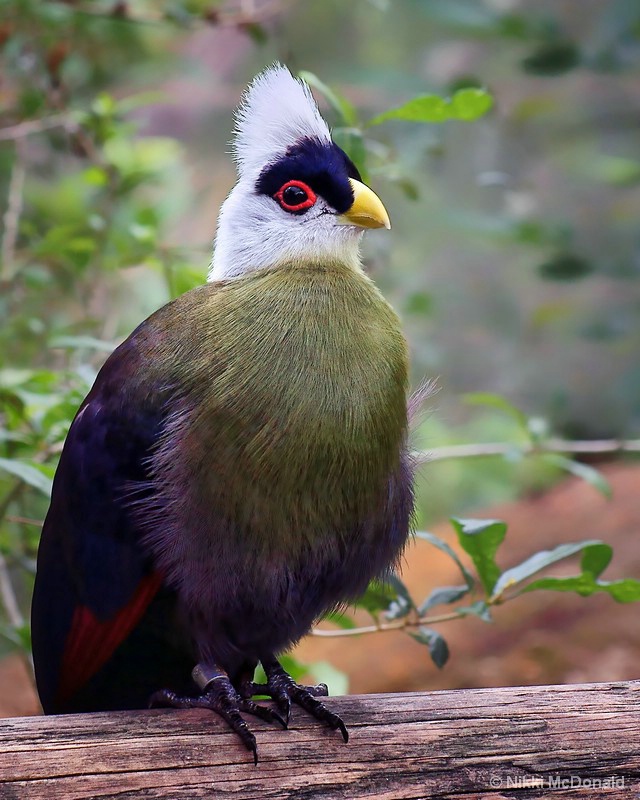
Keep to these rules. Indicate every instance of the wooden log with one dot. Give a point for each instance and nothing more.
(535, 742)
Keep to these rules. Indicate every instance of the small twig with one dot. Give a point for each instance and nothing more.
(407, 622)
(23, 129)
(11, 496)
(8, 596)
(37, 523)
(11, 219)
(548, 446)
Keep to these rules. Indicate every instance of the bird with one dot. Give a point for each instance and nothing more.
(240, 466)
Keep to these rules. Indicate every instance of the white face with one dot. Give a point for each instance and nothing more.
(255, 229)
(254, 232)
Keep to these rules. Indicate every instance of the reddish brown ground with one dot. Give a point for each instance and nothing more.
(541, 638)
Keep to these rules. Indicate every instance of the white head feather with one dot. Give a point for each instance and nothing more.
(275, 113)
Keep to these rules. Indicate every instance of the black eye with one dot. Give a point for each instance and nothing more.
(295, 196)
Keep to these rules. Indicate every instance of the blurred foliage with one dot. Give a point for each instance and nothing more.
(515, 253)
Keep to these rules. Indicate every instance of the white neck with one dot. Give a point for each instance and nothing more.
(253, 235)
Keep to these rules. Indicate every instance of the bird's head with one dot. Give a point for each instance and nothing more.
(299, 199)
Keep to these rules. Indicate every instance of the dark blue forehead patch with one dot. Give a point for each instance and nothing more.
(326, 168)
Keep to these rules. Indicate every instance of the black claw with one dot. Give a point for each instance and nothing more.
(220, 696)
(320, 690)
(283, 701)
(283, 689)
(281, 720)
(166, 698)
(261, 712)
(247, 738)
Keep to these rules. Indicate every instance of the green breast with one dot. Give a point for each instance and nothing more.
(292, 387)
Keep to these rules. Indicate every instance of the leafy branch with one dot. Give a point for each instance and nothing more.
(536, 440)
(373, 156)
(21, 130)
(248, 14)
(393, 608)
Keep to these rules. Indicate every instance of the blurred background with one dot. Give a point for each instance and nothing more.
(514, 261)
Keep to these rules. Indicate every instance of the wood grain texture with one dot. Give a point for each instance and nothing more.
(536, 742)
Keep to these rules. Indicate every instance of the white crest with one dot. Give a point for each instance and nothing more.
(254, 232)
(275, 112)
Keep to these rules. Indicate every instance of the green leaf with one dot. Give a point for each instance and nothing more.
(408, 187)
(613, 170)
(10, 377)
(419, 303)
(133, 102)
(438, 649)
(377, 597)
(390, 596)
(104, 105)
(552, 58)
(477, 609)
(581, 470)
(595, 559)
(481, 538)
(96, 176)
(338, 102)
(255, 31)
(402, 603)
(10, 635)
(23, 633)
(466, 105)
(500, 403)
(28, 473)
(545, 558)
(565, 267)
(443, 596)
(436, 541)
(470, 104)
(427, 108)
(626, 590)
(354, 145)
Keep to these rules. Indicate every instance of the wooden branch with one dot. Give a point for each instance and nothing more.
(553, 445)
(12, 215)
(32, 126)
(582, 741)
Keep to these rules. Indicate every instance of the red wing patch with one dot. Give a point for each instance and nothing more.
(91, 642)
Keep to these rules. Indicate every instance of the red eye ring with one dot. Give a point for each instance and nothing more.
(303, 205)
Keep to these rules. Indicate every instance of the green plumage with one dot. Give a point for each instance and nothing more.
(291, 390)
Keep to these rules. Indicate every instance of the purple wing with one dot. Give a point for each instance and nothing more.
(95, 582)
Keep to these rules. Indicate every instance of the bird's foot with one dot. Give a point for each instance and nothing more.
(281, 687)
(219, 695)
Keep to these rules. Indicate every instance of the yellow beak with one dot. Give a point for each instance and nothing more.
(367, 210)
